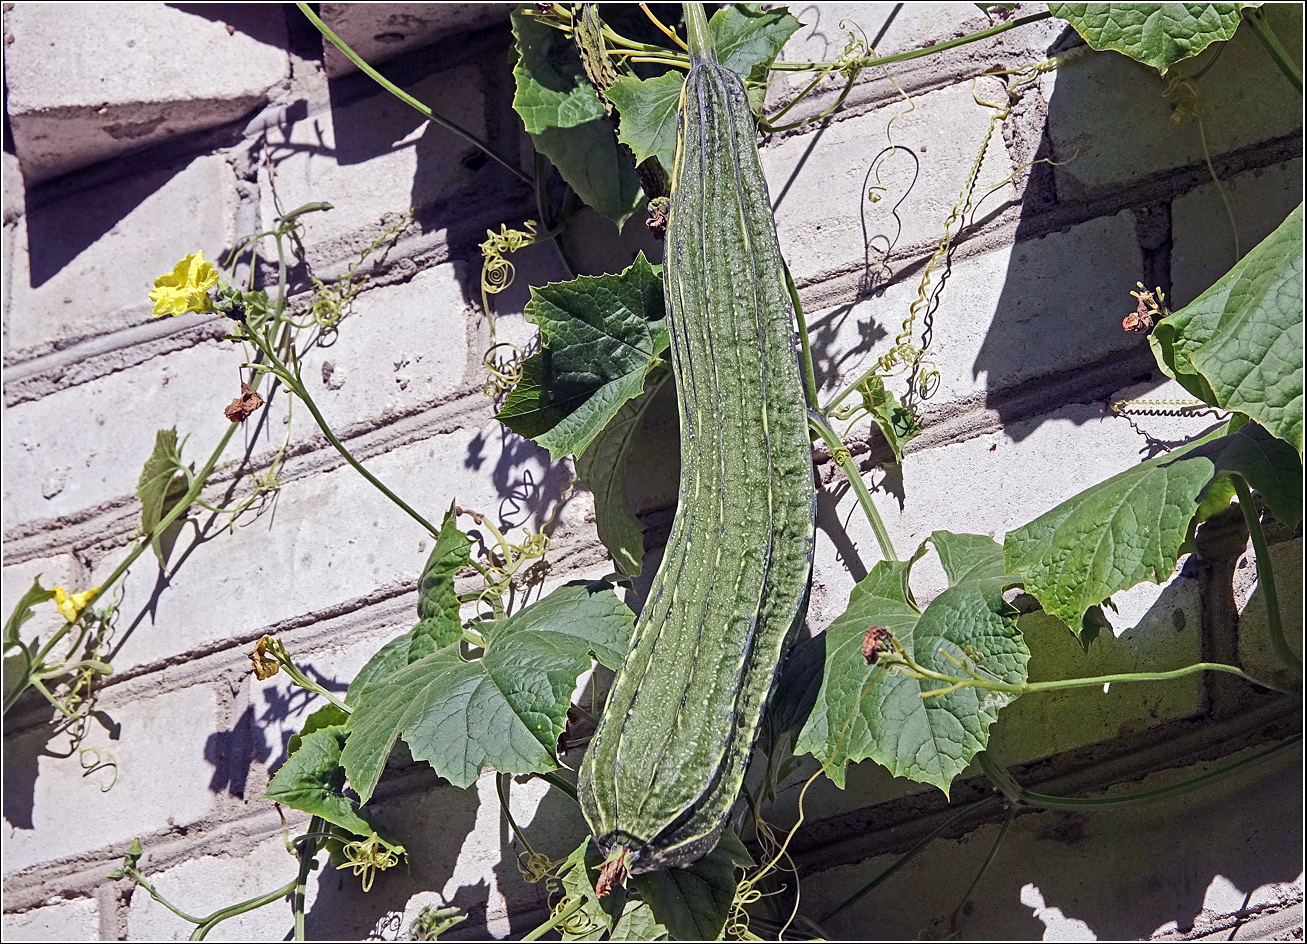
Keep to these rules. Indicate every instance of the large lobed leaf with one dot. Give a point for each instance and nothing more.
(691, 904)
(1156, 34)
(1239, 345)
(504, 710)
(1131, 527)
(862, 711)
(601, 335)
(312, 779)
(566, 120)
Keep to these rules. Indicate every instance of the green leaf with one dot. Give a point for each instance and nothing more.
(602, 467)
(1156, 34)
(895, 421)
(22, 612)
(313, 781)
(568, 123)
(693, 904)
(1131, 527)
(162, 484)
(748, 39)
(648, 109)
(439, 623)
(862, 711)
(325, 717)
(579, 874)
(504, 710)
(387, 660)
(601, 335)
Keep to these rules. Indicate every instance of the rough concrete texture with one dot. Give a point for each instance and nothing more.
(381, 31)
(1023, 323)
(84, 87)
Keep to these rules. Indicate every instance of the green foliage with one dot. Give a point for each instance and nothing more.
(895, 421)
(648, 110)
(1239, 345)
(601, 336)
(748, 39)
(568, 123)
(863, 711)
(505, 709)
(23, 611)
(439, 623)
(602, 467)
(162, 484)
(691, 904)
(1156, 34)
(1130, 528)
(312, 779)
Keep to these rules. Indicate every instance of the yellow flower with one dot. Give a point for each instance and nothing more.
(185, 288)
(72, 604)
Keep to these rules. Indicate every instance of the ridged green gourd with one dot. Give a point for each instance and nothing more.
(668, 759)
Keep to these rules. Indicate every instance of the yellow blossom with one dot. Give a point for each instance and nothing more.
(185, 288)
(71, 604)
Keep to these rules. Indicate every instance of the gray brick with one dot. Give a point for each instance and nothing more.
(372, 158)
(59, 919)
(1202, 244)
(84, 265)
(381, 31)
(61, 571)
(403, 346)
(57, 810)
(82, 89)
(332, 537)
(819, 181)
(1004, 317)
(1110, 124)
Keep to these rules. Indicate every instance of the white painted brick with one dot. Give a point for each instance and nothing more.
(402, 346)
(381, 31)
(1134, 868)
(1004, 317)
(53, 808)
(372, 159)
(819, 181)
(332, 537)
(1110, 124)
(85, 264)
(61, 571)
(1202, 243)
(59, 919)
(83, 88)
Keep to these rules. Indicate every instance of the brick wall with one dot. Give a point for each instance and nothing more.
(134, 138)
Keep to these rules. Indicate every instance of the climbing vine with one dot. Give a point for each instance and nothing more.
(598, 89)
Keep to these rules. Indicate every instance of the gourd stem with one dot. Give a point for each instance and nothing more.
(696, 26)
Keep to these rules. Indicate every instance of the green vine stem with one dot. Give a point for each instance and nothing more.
(1266, 577)
(1004, 782)
(805, 348)
(897, 658)
(1274, 48)
(554, 920)
(292, 382)
(500, 781)
(874, 61)
(308, 854)
(409, 100)
(840, 453)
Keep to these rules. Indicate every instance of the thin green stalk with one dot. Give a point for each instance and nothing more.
(999, 775)
(232, 911)
(805, 347)
(1266, 577)
(500, 779)
(554, 921)
(920, 847)
(293, 383)
(874, 61)
(833, 107)
(551, 778)
(1274, 48)
(699, 39)
(546, 218)
(840, 453)
(409, 99)
(308, 856)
